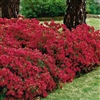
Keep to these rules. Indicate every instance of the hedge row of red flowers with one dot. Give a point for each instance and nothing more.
(36, 58)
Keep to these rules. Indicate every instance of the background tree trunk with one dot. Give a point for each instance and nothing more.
(9, 8)
(0, 9)
(75, 13)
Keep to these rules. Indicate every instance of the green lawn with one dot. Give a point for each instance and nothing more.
(86, 87)
(94, 22)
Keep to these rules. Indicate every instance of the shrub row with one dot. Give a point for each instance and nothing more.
(93, 6)
(43, 8)
(52, 8)
(36, 58)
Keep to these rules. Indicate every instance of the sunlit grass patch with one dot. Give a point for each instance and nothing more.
(94, 22)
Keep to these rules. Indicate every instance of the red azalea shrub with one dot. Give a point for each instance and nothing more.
(35, 58)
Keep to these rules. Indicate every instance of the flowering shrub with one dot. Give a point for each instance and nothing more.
(36, 58)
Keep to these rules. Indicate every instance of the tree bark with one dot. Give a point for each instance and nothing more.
(9, 8)
(75, 13)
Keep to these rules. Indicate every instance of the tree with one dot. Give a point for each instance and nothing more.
(9, 8)
(75, 13)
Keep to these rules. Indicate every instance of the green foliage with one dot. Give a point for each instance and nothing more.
(43, 8)
(92, 7)
(2, 96)
(52, 8)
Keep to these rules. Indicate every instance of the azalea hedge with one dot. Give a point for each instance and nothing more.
(36, 58)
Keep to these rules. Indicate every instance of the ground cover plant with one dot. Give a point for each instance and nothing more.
(36, 58)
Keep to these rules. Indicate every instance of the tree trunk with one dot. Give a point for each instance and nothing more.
(0, 13)
(9, 8)
(75, 13)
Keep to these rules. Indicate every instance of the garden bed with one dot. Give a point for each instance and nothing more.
(36, 59)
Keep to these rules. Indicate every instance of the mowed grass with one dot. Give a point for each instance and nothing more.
(87, 87)
(94, 22)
